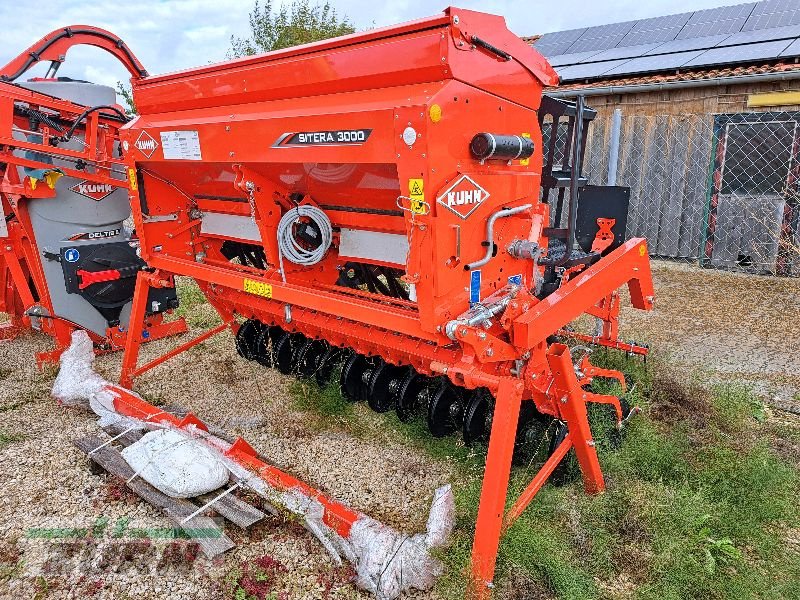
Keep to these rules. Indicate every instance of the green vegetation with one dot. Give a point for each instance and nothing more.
(289, 25)
(701, 502)
(193, 307)
(8, 438)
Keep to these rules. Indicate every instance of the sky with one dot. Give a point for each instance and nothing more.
(170, 35)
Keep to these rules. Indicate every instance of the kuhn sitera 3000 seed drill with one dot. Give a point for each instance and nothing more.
(381, 200)
(402, 208)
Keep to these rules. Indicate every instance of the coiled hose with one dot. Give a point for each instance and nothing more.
(289, 247)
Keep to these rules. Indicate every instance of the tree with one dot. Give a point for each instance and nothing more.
(127, 95)
(299, 23)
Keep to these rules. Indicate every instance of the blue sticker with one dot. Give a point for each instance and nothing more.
(71, 255)
(475, 286)
(515, 279)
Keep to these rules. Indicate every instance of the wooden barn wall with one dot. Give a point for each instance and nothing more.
(665, 157)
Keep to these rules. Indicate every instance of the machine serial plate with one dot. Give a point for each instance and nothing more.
(336, 137)
(257, 288)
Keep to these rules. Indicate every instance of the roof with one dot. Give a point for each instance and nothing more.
(756, 37)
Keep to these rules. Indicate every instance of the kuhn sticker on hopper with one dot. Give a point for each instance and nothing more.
(403, 203)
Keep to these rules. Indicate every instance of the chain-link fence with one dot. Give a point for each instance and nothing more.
(719, 190)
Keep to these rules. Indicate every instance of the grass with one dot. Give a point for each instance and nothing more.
(701, 500)
(193, 305)
(9, 438)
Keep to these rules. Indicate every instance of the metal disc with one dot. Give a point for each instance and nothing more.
(309, 358)
(352, 379)
(263, 345)
(477, 416)
(408, 394)
(445, 410)
(380, 395)
(283, 347)
(326, 364)
(246, 338)
(299, 354)
(298, 342)
(530, 443)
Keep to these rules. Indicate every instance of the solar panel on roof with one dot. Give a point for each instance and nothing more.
(551, 44)
(773, 13)
(792, 50)
(638, 38)
(766, 30)
(588, 70)
(702, 43)
(649, 64)
(656, 29)
(762, 35)
(572, 59)
(737, 54)
(715, 21)
(601, 37)
(624, 52)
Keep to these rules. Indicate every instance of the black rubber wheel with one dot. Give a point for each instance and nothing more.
(381, 392)
(477, 416)
(352, 379)
(445, 411)
(407, 400)
(246, 338)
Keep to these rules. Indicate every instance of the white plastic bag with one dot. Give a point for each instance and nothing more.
(178, 465)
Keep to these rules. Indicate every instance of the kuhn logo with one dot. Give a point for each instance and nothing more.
(95, 191)
(463, 197)
(146, 144)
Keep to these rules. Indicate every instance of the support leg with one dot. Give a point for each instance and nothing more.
(133, 340)
(495, 485)
(572, 405)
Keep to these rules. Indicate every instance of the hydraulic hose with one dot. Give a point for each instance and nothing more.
(66, 137)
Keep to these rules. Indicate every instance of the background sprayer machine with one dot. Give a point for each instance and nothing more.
(400, 208)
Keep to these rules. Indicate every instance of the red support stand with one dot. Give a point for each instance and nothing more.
(493, 519)
(134, 339)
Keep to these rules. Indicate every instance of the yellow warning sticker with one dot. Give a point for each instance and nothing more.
(416, 192)
(257, 288)
(525, 161)
(132, 179)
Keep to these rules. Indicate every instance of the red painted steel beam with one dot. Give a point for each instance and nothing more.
(629, 264)
(337, 516)
(54, 47)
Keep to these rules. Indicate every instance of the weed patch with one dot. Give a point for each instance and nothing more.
(254, 579)
(9, 438)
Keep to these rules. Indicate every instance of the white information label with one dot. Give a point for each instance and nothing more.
(181, 145)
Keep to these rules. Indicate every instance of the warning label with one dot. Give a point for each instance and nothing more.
(416, 192)
(181, 145)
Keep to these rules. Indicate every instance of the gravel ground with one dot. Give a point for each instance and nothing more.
(46, 483)
(731, 326)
